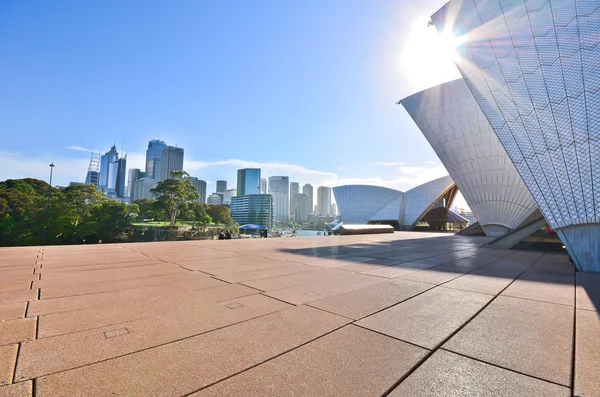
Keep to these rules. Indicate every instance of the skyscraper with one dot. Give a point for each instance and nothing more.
(200, 186)
(153, 157)
(253, 208)
(142, 188)
(333, 210)
(294, 190)
(221, 186)
(115, 186)
(229, 193)
(133, 175)
(300, 209)
(308, 190)
(279, 187)
(214, 199)
(248, 181)
(263, 185)
(323, 200)
(105, 160)
(171, 159)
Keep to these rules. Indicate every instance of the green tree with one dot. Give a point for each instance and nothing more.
(148, 209)
(219, 214)
(175, 194)
(206, 220)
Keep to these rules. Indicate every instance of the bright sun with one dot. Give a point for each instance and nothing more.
(428, 56)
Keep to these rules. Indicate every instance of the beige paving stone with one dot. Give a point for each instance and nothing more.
(348, 362)
(364, 301)
(19, 330)
(17, 296)
(50, 355)
(487, 280)
(14, 285)
(530, 337)
(587, 354)
(428, 319)
(191, 364)
(588, 291)
(450, 375)
(13, 310)
(398, 270)
(8, 357)
(47, 306)
(266, 273)
(544, 287)
(436, 275)
(96, 317)
(22, 389)
(319, 289)
(290, 280)
(116, 285)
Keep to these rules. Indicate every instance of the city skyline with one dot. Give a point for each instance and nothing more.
(154, 94)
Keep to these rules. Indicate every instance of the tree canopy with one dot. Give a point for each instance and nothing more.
(176, 194)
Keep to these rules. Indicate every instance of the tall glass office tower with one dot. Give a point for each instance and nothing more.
(153, 156)
(248, 181)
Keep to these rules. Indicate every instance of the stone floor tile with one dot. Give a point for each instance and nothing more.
(530, 337)
(186, 366)
(398, 270)
(587, 354)
(450, 375)
(292, 268)
(487, 280)
(49, 355)
(319, 289)
(290, 280)
(19, 330)
(21, 389)
(17, 296)
(544, 287)
(436, 275)
(588, 291)
(348, 362)
(96, 317)
(8, 357)
(428, 319)
(13, 310)
(56, 305)
(364, 301)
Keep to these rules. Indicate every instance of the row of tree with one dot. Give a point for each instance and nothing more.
(81, 212)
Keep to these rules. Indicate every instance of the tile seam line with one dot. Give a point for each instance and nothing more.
(452, 334)
(393, 337)
(505, 368)
(268, 359)
(149, 348)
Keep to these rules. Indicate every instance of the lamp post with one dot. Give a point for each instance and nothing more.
(48, 205)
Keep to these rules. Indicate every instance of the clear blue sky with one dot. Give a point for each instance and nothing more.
(304, 89)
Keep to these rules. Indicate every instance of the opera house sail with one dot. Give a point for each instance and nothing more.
(534, 69)
(461, 136)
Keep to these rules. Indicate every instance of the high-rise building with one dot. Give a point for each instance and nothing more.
(308, 190)
(323, 200)
(133, 175)
(263, 185)
(200, 186)
(279, 187)
(248, 181)
(115, 186)
(142, 188)
(333, 210)
(300, 208)
(105, 160)
(221, 186)
(214, 199)
(294, 190)
(229, 193)
(93, 175)
(171, 159)
(252, 208)
(153, 157)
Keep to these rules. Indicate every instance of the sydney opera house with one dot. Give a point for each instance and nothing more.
(520, 133)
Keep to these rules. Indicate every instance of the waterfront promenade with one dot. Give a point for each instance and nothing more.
(407, 314)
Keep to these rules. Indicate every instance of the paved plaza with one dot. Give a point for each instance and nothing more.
(407, 314)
